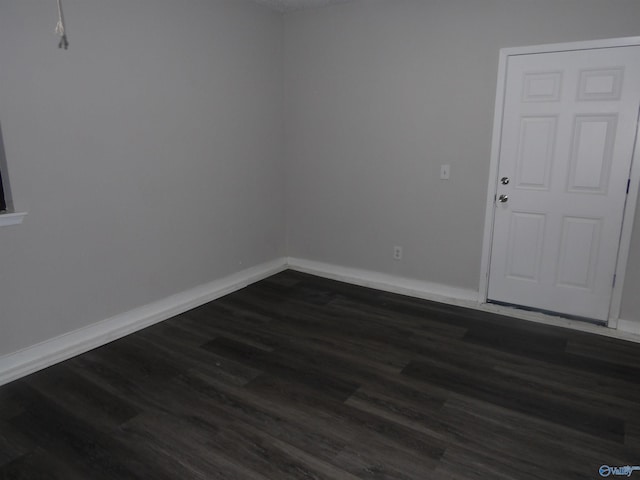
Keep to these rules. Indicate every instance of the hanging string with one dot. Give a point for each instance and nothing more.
(60, 30)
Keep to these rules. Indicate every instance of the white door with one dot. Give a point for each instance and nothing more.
(568, 135)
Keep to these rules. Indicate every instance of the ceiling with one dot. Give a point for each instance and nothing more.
(291, 5)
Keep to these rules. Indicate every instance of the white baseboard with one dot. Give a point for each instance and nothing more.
(31, 359)
(627, 330)
(388, 283)
(37, 357)
(629, 326)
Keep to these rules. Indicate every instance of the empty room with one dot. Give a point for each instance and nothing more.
(319, 239)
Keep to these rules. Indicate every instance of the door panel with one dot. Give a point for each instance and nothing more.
(542, 87)
(592, 153)
(578, 252)
(526, 236)
(600, 84)
(535, 152)
(568, 133)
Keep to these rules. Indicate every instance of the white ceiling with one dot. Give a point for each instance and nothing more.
(291, 5)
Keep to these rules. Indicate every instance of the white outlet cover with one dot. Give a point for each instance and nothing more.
(445, 172)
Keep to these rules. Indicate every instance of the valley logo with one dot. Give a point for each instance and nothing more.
(626, 471)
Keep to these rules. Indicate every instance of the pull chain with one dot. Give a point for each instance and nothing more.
(60, 30)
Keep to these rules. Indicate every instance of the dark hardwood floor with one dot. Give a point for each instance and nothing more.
(298, 377)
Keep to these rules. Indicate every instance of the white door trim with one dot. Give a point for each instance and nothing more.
(632, 197)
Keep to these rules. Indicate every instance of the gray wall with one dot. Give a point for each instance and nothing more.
(379, 94)
(149, 155)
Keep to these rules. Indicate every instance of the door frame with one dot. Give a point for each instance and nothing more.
(634, 175)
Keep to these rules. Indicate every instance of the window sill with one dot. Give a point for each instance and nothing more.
(7, 219)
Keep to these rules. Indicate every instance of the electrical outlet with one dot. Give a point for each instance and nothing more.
(397, 253)
(445, 172)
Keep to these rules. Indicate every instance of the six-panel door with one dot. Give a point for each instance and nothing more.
(568, 134)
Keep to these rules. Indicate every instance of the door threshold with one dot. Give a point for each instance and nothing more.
(553, 320)
(591, 321)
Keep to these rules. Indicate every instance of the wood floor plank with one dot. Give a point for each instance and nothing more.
(312, 375)
(632, 434)
(498, 390)
(84, 398)
(494, 431)
(185, 446)
(74, 441)
(274, 458)
(39, 464)
(352, 419)
(13, 443)
(187, 354)
(283, 421)
(373, 457)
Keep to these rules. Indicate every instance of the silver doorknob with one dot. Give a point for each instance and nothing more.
(503, 198)
(504, 180)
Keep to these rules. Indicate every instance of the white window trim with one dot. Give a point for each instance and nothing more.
(7, 219)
